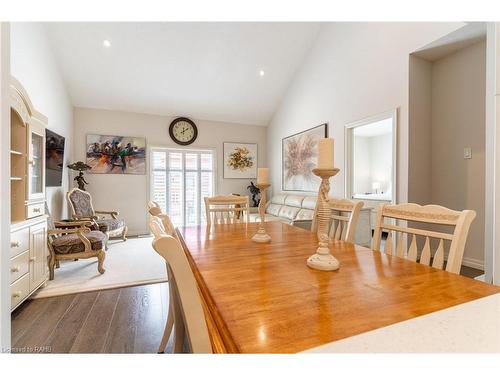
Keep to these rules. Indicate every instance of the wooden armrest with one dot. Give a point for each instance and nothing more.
(79, 223)
(68, 230)
(113, 214)
(84, 218)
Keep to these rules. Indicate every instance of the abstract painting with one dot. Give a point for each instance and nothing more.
(115, 154)
(240, 160)
(299, 158)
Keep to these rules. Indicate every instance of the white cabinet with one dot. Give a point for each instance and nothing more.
(38, 254)
(28, 262)
(28, 241)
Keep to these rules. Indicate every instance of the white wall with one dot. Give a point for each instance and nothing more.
(362, 167)
(420, 130)
(372, 162)
(353, 71)
(33, 64)
(458, 121)
(129, 194)
(381, 160)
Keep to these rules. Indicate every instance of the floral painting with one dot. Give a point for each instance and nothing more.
(299, 157)
(240, 160)
(115, 154)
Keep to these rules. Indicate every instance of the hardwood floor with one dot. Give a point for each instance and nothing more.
(125, 320)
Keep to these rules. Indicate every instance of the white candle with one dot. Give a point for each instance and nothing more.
(325, 153)
(262, 175)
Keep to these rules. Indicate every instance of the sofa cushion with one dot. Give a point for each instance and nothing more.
(305, 214)
(278, 199)
(273, 209)
(309, 202)
(289, 212)
(294, 200)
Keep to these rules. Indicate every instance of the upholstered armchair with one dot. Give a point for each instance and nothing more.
(106, 221)
(74, 240)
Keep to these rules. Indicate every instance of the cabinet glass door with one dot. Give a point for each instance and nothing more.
(36, 164)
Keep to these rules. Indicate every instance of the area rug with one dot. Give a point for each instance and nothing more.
(133, 262)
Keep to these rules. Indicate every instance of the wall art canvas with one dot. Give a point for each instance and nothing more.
(115, 154)
(240, 160)
(299, 158)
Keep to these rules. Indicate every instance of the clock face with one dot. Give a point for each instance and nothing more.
(183, 131)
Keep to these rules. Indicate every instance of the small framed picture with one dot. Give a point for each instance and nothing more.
(240, 160)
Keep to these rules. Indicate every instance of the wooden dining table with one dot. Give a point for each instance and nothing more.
(262, 297)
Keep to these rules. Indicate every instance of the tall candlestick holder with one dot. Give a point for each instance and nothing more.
(323, 260)
(261, 235)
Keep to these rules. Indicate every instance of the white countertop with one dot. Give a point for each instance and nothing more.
(472, 327)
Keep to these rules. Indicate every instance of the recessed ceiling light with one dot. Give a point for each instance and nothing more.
(261, 73)
(106, 43)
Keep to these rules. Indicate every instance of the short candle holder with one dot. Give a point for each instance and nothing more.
(261, 235)
(323, 260)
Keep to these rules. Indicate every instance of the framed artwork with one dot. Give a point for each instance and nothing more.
(299, 157)
(240, 160)
(116, 154)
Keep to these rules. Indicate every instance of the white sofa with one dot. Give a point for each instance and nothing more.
(298, 210)
(288, 208)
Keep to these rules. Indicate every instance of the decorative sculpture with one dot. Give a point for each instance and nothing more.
(261, 235)
(255, 191)
(80, 180)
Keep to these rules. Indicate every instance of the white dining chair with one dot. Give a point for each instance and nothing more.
(189, 316)
(160, 224)
(227, 209)
(158, 230)
(344, 215)
(434, 217)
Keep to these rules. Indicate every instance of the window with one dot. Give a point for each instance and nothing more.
(179, 181)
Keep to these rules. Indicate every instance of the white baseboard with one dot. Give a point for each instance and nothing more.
(473, 263)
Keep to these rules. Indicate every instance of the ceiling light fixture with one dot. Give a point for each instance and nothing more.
(261, 73)
(106, 43)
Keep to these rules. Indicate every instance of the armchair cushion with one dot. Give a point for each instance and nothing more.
(71, 243)
(107, 225)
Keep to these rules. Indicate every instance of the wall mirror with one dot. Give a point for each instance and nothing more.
(371, 159)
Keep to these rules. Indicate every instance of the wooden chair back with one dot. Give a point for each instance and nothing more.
(156, 212)
(343, 220)
(188, 301)
(227, 209)
(458, 221)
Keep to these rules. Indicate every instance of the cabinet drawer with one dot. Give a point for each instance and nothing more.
(19, 290)
(19, 241)
(34, 210)
(19, 266)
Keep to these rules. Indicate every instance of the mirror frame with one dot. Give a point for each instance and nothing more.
(349, 131)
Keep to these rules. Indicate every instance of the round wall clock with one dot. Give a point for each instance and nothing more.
(183, 131)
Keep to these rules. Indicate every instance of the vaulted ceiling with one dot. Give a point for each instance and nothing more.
(232, 72)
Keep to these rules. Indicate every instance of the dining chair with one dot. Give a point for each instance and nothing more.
(189, 316)
(227, 209)
(344, 215)
(155, 210)
(160, 224)
(434, 217)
